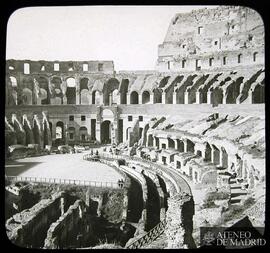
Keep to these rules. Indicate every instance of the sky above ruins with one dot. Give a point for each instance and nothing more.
(128, 35)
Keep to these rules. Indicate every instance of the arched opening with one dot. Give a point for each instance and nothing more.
(108, 88)
(59, 133)
(258, 94)
(123, 91)
(180, 145)
(84, 92)
(217, 96)
(105, 132)
(216, 155)
(171, 143)
(150, 140)
(57, 92)
(84, 97)
(145, 97)
(157, 96)
(96, 97)
(134, 97)
(28, 133)
(36, 132)
(44, 90)
(224, 158)
(115, 97)
(157, 142)
(26, 96)
(71, 134)
(83, 134)
(71, 91)
(140, 132)
(20, 135)
(207, 152)
(190, 146)
(46, 134)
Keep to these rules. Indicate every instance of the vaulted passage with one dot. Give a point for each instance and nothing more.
(134, 97)
(258, 94)
(60, 133)
(145, 97)
(71, 91)
(105, 133)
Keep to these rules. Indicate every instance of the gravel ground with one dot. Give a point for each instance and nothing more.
(64, 166)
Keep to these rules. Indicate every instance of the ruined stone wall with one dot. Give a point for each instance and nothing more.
(179, 225)
(218, 33)
(70, 229)
(34, 222)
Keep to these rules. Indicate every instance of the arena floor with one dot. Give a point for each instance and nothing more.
(62, 166)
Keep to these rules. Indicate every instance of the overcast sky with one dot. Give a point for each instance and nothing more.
(128, 35)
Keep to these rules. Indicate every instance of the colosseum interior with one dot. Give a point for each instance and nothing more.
(188, 138)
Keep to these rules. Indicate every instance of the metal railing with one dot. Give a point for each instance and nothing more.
(149, 237)
(64, 181)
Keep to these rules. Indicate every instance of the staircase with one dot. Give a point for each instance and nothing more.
(237, 193)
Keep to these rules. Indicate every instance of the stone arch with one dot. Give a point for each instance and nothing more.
(190, 146)
(84, 83)
(224, 157)
(215, 155)
(84, 96)
(150, 140)
(209, 177)
(115, 97)
(157, 96)
(27, 96)
(105, 133)
(83, 133)
(157, 141)
(44, 89)
(171, 143)
(258, 94)
(96, 95)
(46, 134)
(36, 132)
(134, 97)
(108, 88)
(180, 145)
(123, 91)
(71, 90)
(146, 97)
(217, 96)
(60, 133)
(29, 138)
(20, 133)
(71, 133)
(207, 156)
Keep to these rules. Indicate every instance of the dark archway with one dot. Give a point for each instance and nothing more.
(134, 97)
(207, 152)
(71, 91)
(157, 141)
(258, 94)
(123, 91)
(171, 143)
(83, 133)
(190, 146)
(60, 133)
(180, 145)
(36, 133)
(28, 133)
(145, 97)
(157, 96)
(108, 88)
(150, 140)
(105, 133)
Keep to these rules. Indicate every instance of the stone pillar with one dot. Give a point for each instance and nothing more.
(110, 99)
(209, 97)
(90, 98)
(128, 98)
(224, 98)
(77, 91)
(163, 97)
(174, 98)
(185, 145)
(151, 98)
(98, 124)
(249, 98)
(186, 93)
(198, 97)
(139, 98)
(64, 99)
(101, 101)
(62, 205)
